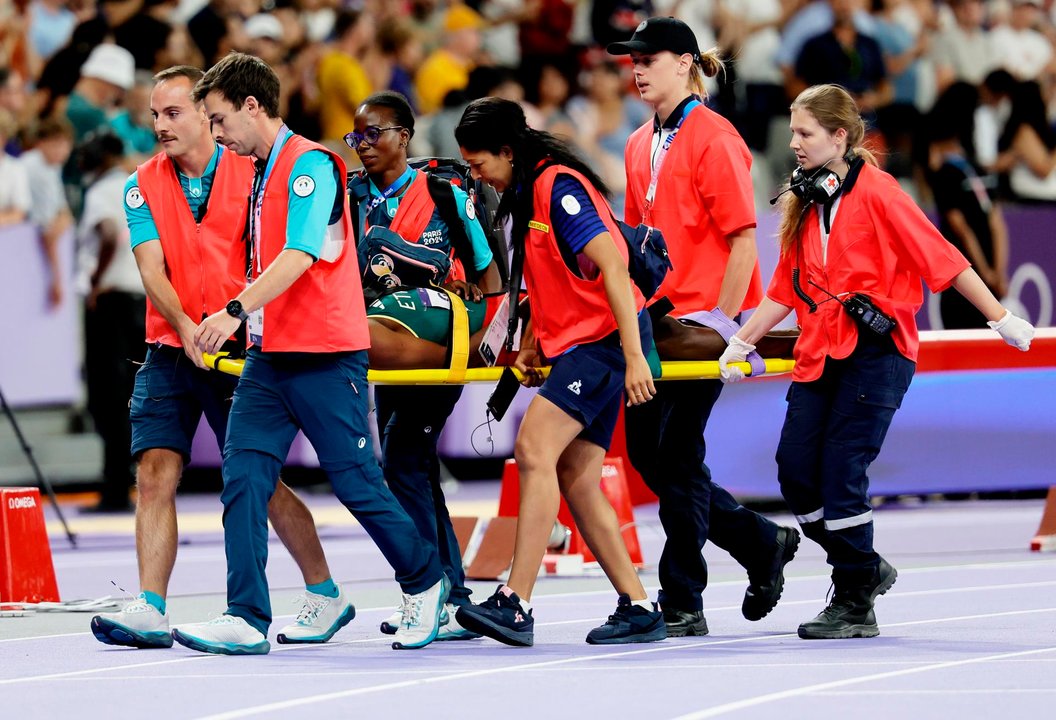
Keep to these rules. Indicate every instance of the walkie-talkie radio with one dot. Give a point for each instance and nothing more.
(868, 315)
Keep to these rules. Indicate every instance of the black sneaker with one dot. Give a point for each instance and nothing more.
(501, 618)
(629, 624)
(766, 585)
(684, 623)
(842, 619)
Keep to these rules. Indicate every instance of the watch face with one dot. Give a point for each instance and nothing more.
(234, 308)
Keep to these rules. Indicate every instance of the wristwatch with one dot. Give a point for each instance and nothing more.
(234, 309)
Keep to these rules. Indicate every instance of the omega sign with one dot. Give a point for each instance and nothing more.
(22, 503)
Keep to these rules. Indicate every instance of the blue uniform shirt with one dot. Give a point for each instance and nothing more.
(141, 225)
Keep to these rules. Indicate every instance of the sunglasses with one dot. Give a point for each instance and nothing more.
(371, 135)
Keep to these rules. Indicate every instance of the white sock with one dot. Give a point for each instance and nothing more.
(643, 603)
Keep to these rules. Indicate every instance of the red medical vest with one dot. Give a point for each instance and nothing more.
(323, 311)
(882, 245)
(205, 262)
(704, 194)
(567, 310)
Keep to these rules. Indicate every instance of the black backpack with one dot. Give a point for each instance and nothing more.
(441, 174)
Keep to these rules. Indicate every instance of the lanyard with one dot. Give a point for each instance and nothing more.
(260, 182)
(655, 178)
(389, 191)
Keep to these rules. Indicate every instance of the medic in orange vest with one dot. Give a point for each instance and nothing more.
(854, 249)
(306, 368)
(590, 323)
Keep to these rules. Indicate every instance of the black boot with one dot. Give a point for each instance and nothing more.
(767, 581)
(850, 613)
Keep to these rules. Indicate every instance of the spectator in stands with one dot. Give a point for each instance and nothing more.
(396, 59)
(969, 216)
(114, 313)
(1018, 46)
(846, 57)
(546, 90)
(15, 100)
(133, 123)
(1027, 146)
(14, 187)
(448, 67)
(813, 18)
(343, 82)
(753, 27)
(901, 52)
(484, 81)
(544, 29)
(604, 118)
(106, 75)
(146, 32)
(51, 25)
(52, 144)
(964, 50)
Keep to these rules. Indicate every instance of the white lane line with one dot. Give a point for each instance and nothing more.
(821, 687)
(387, 687)
(174, 661)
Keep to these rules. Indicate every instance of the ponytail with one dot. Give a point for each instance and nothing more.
(707, 65)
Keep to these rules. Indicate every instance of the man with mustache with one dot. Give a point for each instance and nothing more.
(186, 209)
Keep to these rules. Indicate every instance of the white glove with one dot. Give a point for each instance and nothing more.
(1015, 331)
(736, 351)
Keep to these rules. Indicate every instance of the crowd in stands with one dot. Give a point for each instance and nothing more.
(78, 67)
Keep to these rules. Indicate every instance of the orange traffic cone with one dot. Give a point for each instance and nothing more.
(26, 570)
(613, 484)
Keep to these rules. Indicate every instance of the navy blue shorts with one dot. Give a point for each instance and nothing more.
(169, 398)
(587, 382)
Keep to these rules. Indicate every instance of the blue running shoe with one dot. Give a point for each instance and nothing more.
(501, 618)
(629, 624)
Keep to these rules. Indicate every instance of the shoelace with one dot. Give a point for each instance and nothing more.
(139, 605)
(224, 620)
(311, 609)
(412, 610)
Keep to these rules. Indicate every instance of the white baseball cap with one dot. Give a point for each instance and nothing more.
(264, 26)
(110, 63)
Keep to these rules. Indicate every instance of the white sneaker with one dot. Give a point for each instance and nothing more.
(422, 614)
(393, 622)
(224, 635)
(138, 625)
(451, 630)
(320, 618)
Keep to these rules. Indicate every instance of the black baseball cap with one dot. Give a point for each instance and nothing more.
(657, 34)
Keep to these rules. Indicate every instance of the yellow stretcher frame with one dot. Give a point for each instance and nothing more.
(459, 374)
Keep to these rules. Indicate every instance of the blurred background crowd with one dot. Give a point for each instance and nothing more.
(69, 68)
(959, 97)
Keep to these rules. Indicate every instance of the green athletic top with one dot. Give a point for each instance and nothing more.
(425, 312)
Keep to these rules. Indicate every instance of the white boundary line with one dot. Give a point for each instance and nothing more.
(387, 687)
(809, 689)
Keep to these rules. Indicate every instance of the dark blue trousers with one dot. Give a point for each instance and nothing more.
(665, 442)
(410, 420)
(325, 396)
(833, 430)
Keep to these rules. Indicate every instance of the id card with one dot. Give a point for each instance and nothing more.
(255, 325)
(493, 345)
